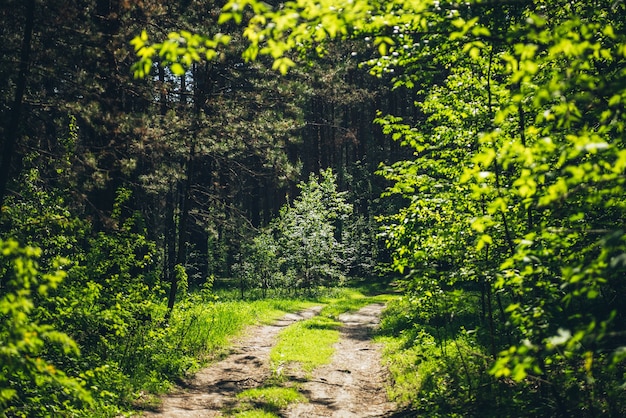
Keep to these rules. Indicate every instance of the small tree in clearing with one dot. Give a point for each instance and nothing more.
(310, 244)
(304, 242)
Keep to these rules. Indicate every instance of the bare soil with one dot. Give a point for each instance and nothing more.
(351, 386)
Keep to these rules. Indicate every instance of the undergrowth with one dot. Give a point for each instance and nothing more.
(438, 367)
(442, 368)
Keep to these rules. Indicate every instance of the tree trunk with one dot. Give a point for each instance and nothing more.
(11, 135)
(169, 244)
(185, 202)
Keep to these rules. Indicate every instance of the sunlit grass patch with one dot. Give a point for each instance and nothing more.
(255, 413)
(404, 364)
(269, 310)
(202, 329)
(271, 398)
(349, 300)
(309, 343)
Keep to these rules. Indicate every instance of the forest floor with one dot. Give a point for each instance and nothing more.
(352, 385)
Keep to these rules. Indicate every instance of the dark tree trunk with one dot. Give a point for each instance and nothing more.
(11, 133)
(170, 236)
(183, 220)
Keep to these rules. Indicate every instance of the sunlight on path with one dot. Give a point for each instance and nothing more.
(351, 386)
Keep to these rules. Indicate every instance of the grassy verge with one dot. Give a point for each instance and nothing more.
(200, 331)
(204, 329)
(437, 370)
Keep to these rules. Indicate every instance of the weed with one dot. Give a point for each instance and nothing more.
(255, 413)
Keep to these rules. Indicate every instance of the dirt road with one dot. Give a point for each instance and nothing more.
(352, 385)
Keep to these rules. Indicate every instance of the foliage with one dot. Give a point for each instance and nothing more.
(306, 232)
(300, 249)
(31, 384)
(141, 183)
(98, 307)
(516, 184)
(523, 201)
(259, 266)
(512, 192)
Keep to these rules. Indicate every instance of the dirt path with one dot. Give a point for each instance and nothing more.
(351, 386)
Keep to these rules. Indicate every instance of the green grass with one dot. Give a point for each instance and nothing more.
(197, 332)
(349, 300)
(202, 330)
(271, 398)
(308, 343)
(255, 413)
(436, 371)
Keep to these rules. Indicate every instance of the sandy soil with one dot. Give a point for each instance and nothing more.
(352, 385)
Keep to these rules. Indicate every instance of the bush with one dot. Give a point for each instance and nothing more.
(30, 384)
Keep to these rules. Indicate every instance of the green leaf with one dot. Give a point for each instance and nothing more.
(177, 69)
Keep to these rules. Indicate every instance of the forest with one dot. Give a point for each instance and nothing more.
(171, 171)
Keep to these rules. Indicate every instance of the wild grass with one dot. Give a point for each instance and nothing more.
(308, 343)
(348, 300)
(438, 370)
(199, 331)
(304, 346)
(203, 330)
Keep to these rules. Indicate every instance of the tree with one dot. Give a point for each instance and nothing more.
(11, 132)
(519, 153)
(304, 241)
(307, 232)
(259, 265)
